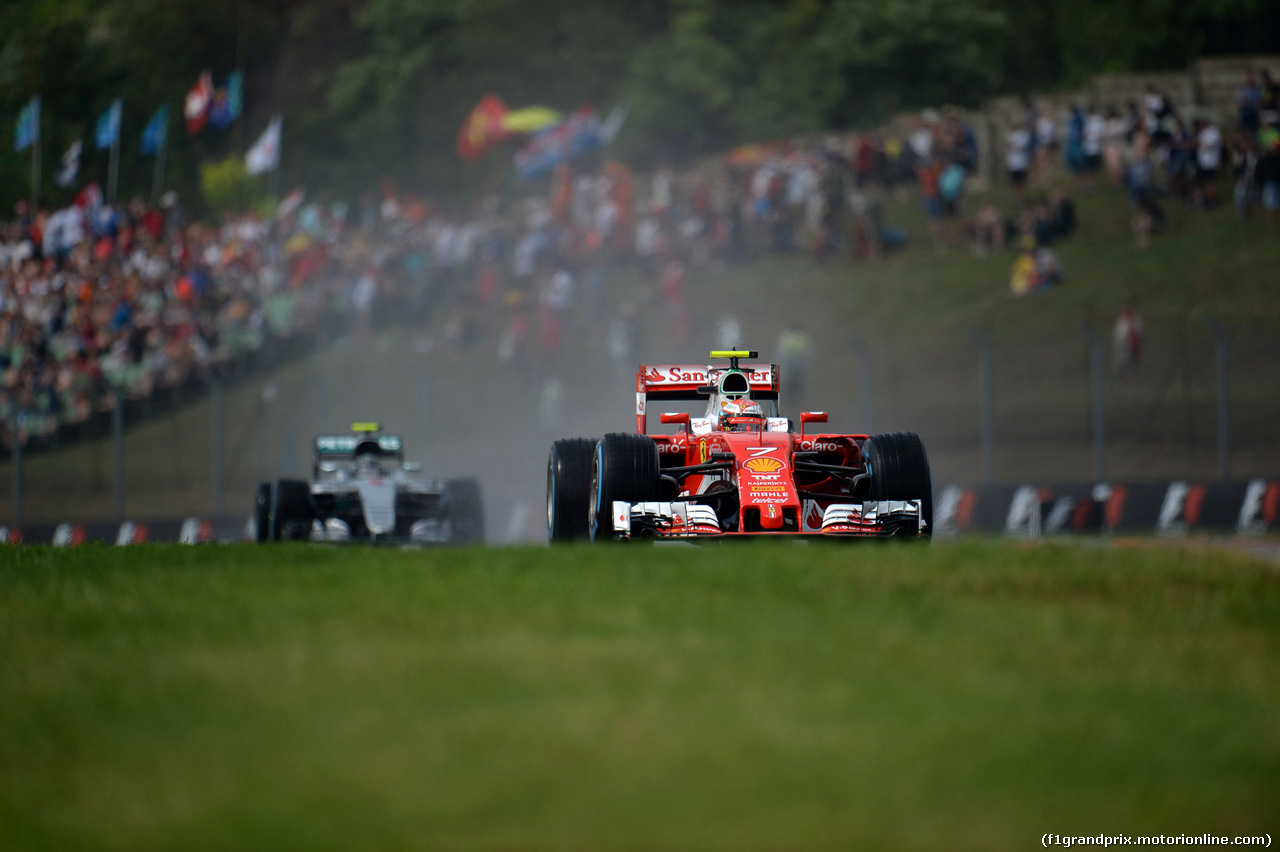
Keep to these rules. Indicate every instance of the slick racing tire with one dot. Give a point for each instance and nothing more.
(569, 489)
(291, 512)
(464, 509)
(900, 471)
(262, 512)
(625, 468)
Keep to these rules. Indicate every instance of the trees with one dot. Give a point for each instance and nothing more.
(378, 88)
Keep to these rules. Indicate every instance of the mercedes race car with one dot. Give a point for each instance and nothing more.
(738, 470)
(362, 489)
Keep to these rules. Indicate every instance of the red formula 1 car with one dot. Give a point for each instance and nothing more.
(738, 470)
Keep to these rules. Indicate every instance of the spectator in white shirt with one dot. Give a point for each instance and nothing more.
(1208, 161)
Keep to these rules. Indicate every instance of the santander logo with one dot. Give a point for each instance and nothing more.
(814, 518)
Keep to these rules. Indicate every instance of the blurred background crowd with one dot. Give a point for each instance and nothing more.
(99, 301)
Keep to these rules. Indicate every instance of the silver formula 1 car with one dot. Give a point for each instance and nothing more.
(363, 490)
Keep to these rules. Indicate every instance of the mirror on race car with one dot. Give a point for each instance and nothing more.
(681, 417)
(811, 417)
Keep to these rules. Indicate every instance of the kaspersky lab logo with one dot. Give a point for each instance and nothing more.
(763, 465)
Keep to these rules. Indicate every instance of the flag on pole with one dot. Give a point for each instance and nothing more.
(613, 123)
(483, 128)
(70, 165)
(265, 153)
(28, 130)
(108, 128)
(291, 203)
(227, 102)
(576, 135)
(530, 119)
(156, 131)
(199, 99)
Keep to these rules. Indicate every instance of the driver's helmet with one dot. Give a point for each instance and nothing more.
(368, 458)
(740, 415)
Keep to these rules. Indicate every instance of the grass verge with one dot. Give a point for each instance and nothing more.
(971, 696)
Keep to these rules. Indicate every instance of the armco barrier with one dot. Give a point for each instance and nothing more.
(1243, 507)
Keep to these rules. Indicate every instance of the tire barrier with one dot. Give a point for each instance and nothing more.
(181, 531)
(1178, 508)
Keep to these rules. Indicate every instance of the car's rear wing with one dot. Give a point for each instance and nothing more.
(691, 382)
(344, 446)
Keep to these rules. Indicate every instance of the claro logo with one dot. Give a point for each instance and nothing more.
(763, 465)
(821, 446)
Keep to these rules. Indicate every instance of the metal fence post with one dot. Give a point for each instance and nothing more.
(117, 445)
(1224, 412)
(1097, 420)
(987, 418)
(17, 473)
(426, 417)
(219, 445)
(321, 405)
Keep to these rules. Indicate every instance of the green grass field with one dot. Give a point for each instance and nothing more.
(962, 696)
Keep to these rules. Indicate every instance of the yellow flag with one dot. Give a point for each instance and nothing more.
(530, 119)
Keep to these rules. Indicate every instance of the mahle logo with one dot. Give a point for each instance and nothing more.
(763, 465)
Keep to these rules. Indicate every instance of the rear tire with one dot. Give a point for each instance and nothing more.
(291, 510)
(262, 512)
(569, 489)
(625, 468)
(899, 469)
(464, 509)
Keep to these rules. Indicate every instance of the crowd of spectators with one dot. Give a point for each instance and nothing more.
(98, 302)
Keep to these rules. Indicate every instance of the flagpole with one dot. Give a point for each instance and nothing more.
(157, 182)
(35, 176)
(275, 173)
(113, 169)
(35, 155)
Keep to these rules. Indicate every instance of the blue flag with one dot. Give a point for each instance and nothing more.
(108, 130)
(28, 129)
(227, 102)
(156, 131)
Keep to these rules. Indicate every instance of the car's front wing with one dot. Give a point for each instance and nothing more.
(683, 520)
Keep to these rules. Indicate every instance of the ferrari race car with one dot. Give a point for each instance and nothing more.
(362, 489)
(739, 470)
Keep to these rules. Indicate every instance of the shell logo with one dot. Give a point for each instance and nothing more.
(763, 465)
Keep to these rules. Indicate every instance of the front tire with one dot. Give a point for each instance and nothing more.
(291, 511)
(899, 469)
(625, 468)
(569, 489)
